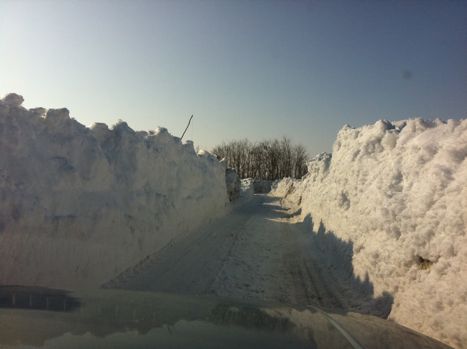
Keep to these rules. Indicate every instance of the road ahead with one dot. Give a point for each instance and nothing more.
(254, 253)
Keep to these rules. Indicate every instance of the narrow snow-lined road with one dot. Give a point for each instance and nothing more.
(254, 253)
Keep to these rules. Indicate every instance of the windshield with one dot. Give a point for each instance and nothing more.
(245, 173)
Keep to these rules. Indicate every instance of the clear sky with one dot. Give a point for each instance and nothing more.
(255, 69)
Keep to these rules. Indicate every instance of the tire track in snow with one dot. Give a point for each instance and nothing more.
(254, 253)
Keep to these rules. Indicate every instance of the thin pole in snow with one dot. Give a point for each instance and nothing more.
(189, 121)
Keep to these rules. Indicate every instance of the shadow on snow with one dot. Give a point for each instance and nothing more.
(333, 257)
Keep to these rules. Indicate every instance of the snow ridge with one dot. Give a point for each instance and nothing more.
(398, 191)
(79, 205)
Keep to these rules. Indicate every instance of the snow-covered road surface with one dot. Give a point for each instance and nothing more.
(255, 253)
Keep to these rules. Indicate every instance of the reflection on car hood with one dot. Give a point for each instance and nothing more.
(46, 318)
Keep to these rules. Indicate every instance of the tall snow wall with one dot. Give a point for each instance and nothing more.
(398, 192)
(79, 205)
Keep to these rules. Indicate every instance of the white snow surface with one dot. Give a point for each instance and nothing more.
(398, 192)
(79, 205)
(246, 187)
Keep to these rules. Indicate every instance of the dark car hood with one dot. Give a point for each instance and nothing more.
(46, 318)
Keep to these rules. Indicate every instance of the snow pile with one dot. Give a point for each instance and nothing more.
(232, 181)
(246, 187)
(398, 192)
(80, 205)
(251, 186)
(283, 187)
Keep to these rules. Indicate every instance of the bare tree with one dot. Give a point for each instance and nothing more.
(300, 158)
(270, 159)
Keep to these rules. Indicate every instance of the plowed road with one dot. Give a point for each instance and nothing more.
(255, 253)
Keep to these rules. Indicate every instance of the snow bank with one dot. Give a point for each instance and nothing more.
(283, 187)
(80, 205)
(398, 192)
(232, 181)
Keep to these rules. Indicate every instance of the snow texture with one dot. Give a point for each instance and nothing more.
(232, 181)
(246, 187)
(251, 186)
(79, 205)
(398, 192)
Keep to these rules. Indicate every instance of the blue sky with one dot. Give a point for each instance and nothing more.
(246, 69)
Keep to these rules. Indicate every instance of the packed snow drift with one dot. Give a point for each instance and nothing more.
(79, 205)
(232, 181)
(398, 192)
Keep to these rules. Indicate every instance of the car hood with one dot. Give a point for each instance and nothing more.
(34, 317)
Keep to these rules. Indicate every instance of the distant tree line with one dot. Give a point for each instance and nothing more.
(271, 159)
